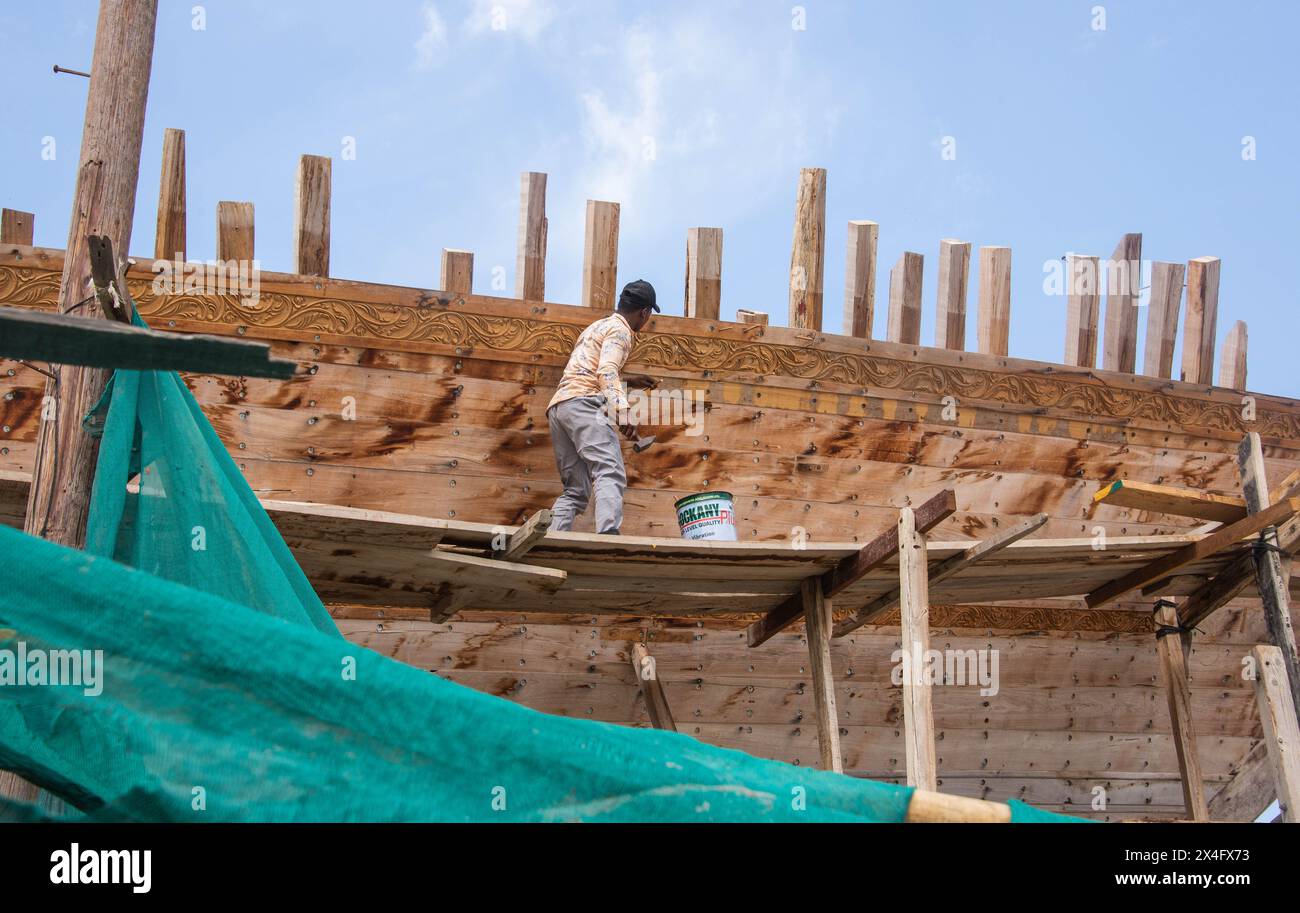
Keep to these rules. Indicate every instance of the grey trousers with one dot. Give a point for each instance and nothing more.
(587, 455)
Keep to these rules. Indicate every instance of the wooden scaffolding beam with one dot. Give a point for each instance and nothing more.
(1277, 714)
(647, 676)
(817, 619)
(914, 611)
(1171, 641)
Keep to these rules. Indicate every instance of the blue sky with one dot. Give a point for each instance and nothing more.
(1066, 136)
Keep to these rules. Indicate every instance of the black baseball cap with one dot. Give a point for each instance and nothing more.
(637, 294)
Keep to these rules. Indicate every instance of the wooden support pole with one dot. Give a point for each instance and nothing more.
(1232, 364)
(457, 271)
(1081, 311)
(954, 277)
(1123, 280)
(928, 807)
(808, 253)
(525, 537)
(905, 299)
(1201, 321)
(103, 204)
(995, 300)
(647, 676)
(755, 317)
(703, 273)
(17, 227)
(1277, 713)
(530, 259)
(914, 611)
(1162, 319)
(311, 227)
(169, 238)
(600, 256)
(818, 620)
(860, 279)
(1173, 664)
(235, 231)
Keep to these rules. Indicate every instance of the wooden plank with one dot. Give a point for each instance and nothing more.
(169, 236)
(914, 605)
(17, 227)
(1277, 714)
(235, 231)
(808, 251)
(1203, 548)
(600, 256)
(872, 612)
(1123, 279)
(1081, 311)
(456, 271)
(489, 573)
(905, 299)
(703, 273)
(311, 225)
(1162, 318)
(647, 676)
(1201, 321)
(1168, 499)
(860, 279)
(818, 619)
(1232, 363)
(758, 318)
(526, 536)
(1173, 666)
(530, 260)
(954, 277)
(995, 300)
(1243, 798)
(928, 807)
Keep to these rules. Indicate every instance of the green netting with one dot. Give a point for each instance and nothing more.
(228, 695)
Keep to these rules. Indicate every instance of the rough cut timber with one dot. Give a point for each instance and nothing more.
(530, 261)
(1232, 365)
(1123, 279)
(703, 273)
(456, 271)
(954, 278)
(1178, 692)
(1202, 319)
(860, 279)
(754, 317)
(1081, 311)
(817, 621)
(1277, 714)
(1162, 318)
(808, 253)
(17, 227)
(169, 236)
(311, 227)
(656, 704)
(914, 603)
(995, 300)
(235, 231)
(600, 256)
(1167, 499)
(905, 299)
(1250, 791)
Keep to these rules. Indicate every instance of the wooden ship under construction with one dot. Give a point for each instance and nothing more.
(1095, 529)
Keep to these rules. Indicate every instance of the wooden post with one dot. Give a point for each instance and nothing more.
(1202, 317)
(1281, 732)
(995, 300)
(817, 621)
(103, 204)
(647, 676)
(954, 277)
(1232, 364)
(755, 317)
(914, 613)
(703, 273)
(169, 238)
(457, 274)
(905, 299)
(17, 227)
(600, 256)
(1162, 319)
(1081, 311)
(1123, 279)
(808, 254)
(1173, 664)
(530, 260)
(311, 226)
(235, 231)
(860, 279)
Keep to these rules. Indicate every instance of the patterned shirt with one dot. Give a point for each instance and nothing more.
(598, 356)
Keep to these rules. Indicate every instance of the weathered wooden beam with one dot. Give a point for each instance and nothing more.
(817, 618)
(914, 617)
(954, 277)
(600, 256)
(311, 226)
(647, 676)
(1168, 499)
(1173, 665)
(456, 271)
(755, 317)
(703, 273)
(995, 300)
(235, 231)
(808, 252)
(1228, 583)
(1243, 798)
(1162, 319)
(860, 279)
(886, 602)
(169, 237)
(463, 574)
(525, 537)
(1277, 714)
(1232, 361)
(905, 299)
(1081, 311)
(1201, 320)
(530, 259)
(17, 227)
(1123, 279)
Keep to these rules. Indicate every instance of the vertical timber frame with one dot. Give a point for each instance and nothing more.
(1172, 645)
(808, 251)
(860, 279)
(600, 256)
(994, 318)
(818, 623)
(530, 258)
(703, 273)
(914, 614)
(169, 238)
(1277, 715)
(647, 676)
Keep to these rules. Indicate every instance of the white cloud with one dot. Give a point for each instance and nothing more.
(432, 40)
(526, 18)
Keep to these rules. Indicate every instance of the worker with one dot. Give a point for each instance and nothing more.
(589, 405)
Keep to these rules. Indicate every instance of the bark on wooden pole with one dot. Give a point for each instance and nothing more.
(530, 257)
(169, 238)
(808, 253)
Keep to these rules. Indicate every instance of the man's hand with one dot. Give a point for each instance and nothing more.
(628, 431)
(640, 381)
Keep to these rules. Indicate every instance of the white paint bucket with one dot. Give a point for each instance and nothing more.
(707, 515)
